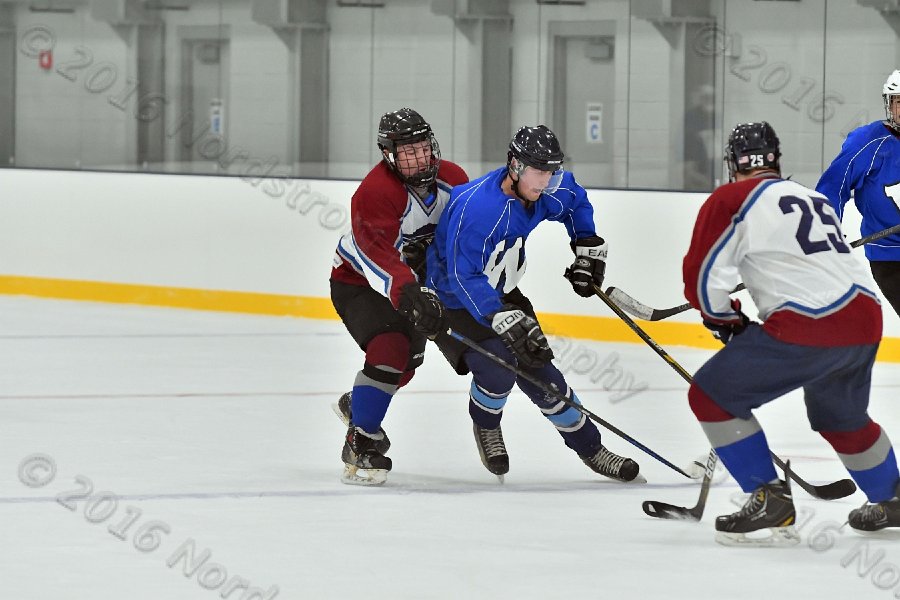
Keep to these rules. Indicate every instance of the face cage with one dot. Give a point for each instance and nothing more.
(422, 178)
(889, 116)
(730, 167)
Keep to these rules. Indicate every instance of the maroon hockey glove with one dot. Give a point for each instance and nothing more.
(422, 306)
(523, 336)
(725, 330)
(589, 266)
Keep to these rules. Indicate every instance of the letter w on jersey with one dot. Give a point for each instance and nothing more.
(506, 265)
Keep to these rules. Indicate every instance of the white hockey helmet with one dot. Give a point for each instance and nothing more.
(891, 88)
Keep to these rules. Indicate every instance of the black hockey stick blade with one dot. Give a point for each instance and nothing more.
(830, 491)
(663, 510)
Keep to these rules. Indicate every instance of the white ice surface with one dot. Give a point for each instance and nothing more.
(220, 427)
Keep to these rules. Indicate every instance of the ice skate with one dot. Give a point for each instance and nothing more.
(872, 517)
(363, 463)
(614, 466)
(492, 450)
(770, 509)
(342, 409)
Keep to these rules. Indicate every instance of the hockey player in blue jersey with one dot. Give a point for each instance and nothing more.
(475, 264)
(869, 166)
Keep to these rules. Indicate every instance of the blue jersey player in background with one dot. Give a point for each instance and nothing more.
(869, 166)
(475, 264)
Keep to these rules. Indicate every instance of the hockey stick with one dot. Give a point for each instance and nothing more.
(647, 313)
(551, 391)
(831, 491)
(664, 510)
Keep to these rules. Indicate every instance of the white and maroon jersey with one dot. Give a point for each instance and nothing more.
(785, 243)
(385, 215)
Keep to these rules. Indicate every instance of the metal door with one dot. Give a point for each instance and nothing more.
(205, 74)
(7, 98)
(583, 103)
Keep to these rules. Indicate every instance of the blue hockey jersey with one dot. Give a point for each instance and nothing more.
(478, 252)
(868, 164)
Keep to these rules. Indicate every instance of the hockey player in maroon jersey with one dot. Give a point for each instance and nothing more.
(821, 326)
(377, 284)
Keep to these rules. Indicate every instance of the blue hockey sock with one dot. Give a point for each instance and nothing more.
(486, 409)
(491, 384)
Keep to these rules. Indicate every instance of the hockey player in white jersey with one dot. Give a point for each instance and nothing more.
(821, 326)
(376, 281)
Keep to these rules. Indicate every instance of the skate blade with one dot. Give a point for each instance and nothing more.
(340, 415)
(353, 475)
(778, 537)
(639, 478)
(501, 479)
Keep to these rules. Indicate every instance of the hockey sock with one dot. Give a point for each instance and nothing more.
(491, 384)
(580, 435)
(740, 443)
(484, 408)
(869, 457)
(386, 357)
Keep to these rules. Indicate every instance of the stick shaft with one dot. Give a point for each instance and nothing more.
(565, 400)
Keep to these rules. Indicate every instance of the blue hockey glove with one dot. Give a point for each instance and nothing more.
(724, 331)
(589, 266)
(523, 336)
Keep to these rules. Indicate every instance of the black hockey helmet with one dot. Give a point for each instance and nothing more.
(536, 147)
(752, 146)
(406, 126)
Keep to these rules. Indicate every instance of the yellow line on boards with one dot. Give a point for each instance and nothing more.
(607, 329)
(127, 293)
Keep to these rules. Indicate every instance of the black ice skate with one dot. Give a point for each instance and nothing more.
(342, 410)
(872, 517)
(492, 450)
(770, 507)
(363, 463)
(612, 465)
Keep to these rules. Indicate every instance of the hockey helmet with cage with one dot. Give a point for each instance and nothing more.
(406, 126)
(891, 88)
(752, 146)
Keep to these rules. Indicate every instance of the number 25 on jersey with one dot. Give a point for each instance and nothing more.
(808, 206)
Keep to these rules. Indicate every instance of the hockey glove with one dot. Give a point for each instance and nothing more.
(423, 308)
(523, 336)
(589, 266)
(415, 253)
(724, 331)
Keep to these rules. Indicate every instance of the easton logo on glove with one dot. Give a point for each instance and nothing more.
(506, 320)
(589, 266)
(523, 336)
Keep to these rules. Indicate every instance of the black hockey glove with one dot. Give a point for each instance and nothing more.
(415, 253)
(422, 306)
(523, 336)
(725, 331)
(589, 266)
